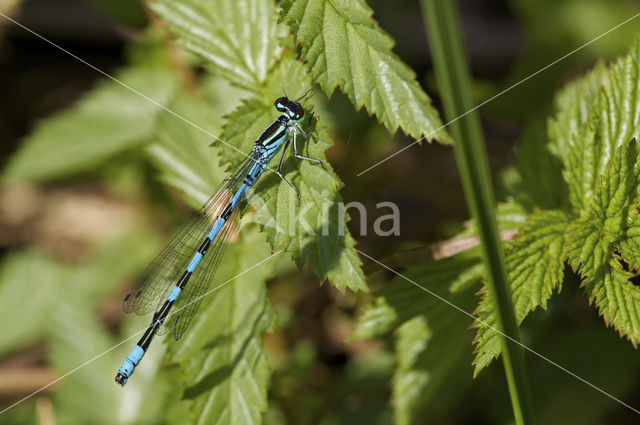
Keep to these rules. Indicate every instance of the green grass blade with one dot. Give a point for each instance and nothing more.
(455, 86)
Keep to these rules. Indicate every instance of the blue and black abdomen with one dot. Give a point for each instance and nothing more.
(180, 275)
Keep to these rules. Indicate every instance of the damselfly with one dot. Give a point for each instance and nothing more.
(182, 272)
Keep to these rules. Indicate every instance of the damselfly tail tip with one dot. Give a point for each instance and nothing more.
(121, 379)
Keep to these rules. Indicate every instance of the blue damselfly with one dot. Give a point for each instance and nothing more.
(182, 272)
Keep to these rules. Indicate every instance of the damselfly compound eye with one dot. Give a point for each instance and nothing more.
(281, 104)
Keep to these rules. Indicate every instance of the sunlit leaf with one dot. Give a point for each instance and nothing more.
(599, 113)
(573, 106)
(239, 39)
(596, 117)
(344, 47)
(76, 337)
(593, 243)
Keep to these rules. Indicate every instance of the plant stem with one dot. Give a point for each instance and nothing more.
(454, 83)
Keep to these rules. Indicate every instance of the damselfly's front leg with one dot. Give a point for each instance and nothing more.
(284, 150)
(295, 151)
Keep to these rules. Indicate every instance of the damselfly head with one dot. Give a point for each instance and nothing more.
(290, 108)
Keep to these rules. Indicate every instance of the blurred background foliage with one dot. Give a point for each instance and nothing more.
(74, 239)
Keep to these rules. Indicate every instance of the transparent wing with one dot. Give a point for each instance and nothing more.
(191, 298)
(156, 282)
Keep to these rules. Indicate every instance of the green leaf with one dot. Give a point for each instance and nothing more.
(182, 152)
(600, 112)
(617, 299)
(238, 38)
(107, 121)
(316, 234)
(401, 300)
(630, 244)
(593, 242)
(344, 47)
(432, 352)
(314, 231)
(535, 264)
(224, 368)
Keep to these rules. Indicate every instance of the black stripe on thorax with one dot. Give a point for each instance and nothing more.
(270, 131)
(276, 137)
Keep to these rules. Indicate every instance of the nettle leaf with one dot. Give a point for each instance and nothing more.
(344, 47)
(182, 151)
(314, 235)
(107, 121)
(604, 277)
(314, 231)
(224, 369)
(401, 300)
(601, 112)
(597, 238)
(240, 38)
(535, 264)
(629, 246)
(430, 350)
